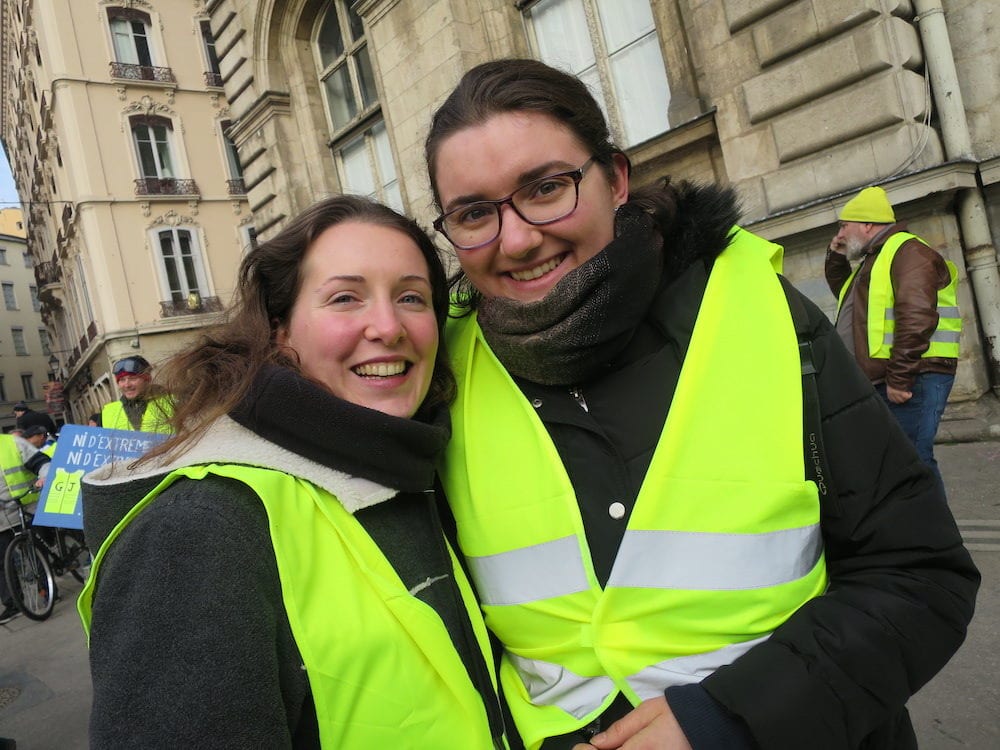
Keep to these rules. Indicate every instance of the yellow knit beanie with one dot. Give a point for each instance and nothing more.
(871, 205)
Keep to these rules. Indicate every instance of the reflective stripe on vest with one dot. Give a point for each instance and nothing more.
(19, 479)
(944, 341)
(382, 668)
(723, 543)
(154, 419)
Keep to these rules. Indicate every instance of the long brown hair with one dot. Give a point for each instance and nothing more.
(212, 375)
(525, 85)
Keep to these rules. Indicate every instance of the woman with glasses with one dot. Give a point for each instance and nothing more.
(683, 532)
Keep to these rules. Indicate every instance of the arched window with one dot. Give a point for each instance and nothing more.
(152, 135)
(130, 35)
(181, 271)
(153, 139)
(359, 142)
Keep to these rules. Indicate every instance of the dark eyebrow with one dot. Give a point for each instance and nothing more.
(551, 167)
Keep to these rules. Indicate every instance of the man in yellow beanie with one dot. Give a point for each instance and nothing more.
(897, 312)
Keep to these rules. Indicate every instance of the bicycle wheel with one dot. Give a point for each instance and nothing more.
(29, 579)
(77, 558)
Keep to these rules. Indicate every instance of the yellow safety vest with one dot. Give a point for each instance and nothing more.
(382, 667)
(944, 341)
(154, 419)
(19, 479)
(723, 544)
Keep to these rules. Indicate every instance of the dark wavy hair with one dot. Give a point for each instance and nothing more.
(524, 85)
(212, 375)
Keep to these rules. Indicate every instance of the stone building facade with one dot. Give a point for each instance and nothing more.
(114, 120)
(796, 103)
(25, 372)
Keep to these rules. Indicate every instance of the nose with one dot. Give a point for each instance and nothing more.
(385, 324)
(517, 237)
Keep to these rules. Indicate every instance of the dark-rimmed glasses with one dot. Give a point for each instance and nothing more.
(542, 201)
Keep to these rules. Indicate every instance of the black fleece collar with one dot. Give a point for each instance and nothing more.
(290, 411)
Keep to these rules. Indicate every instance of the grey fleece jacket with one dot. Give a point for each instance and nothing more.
(190, 642)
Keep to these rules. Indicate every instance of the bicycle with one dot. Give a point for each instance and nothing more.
(35, 557)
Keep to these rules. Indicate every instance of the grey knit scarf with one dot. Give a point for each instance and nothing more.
(588, 317)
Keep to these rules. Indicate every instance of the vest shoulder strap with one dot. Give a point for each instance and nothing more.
(817, 468)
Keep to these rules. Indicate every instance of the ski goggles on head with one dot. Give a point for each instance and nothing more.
(129, 366)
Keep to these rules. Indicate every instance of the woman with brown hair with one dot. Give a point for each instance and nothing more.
(628, 472)
(274, 574)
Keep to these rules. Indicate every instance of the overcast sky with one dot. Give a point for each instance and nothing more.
(8, 195)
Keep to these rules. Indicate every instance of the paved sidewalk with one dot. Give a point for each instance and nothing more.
(971, 421)
(44, 678)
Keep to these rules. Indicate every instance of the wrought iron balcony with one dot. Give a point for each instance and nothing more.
(47, 272)
(135, 72)
(165, 186)
(193, 304)
(237, 187)
(213, 79)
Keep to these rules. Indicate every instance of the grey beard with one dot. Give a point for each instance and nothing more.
(854, 249)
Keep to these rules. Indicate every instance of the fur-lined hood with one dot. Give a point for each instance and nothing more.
(706, 214)
(226, 442)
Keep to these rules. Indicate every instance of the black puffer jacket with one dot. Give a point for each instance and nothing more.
(902, 586)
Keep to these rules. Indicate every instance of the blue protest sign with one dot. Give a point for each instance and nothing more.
(80, 450)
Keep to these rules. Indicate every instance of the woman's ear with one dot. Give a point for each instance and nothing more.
(280, 333)
(621, 168)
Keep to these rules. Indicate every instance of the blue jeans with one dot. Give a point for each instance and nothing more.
(919, 417)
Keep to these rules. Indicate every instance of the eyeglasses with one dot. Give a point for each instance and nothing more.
(129, 366)
(539, 202)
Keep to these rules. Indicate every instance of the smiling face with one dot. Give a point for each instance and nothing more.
(133, 386)
(362, 324)
(491, 160)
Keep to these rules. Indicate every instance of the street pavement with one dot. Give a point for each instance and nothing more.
(45, 684)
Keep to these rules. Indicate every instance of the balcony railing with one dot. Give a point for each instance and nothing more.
(165, 186)
(213, 79)
(236, 187)
(194, 304)
(47, 272)
(135, 72)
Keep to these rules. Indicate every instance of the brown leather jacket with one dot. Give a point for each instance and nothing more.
(917, 273)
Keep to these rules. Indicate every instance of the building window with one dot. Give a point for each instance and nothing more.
(36, 304)
(8, 296)
(17, 336)
(3, 256)
(345, 69)
(28, 384)
(133, 47)
(613, 47)
(235, 184)
(43, 338)
(28, 260)
(182, 274)
(249, 235)
(360, 144)
(213, 74)
(152, 137)
(152, 144)
(3, 389)
(130, 35)
(367, 168)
